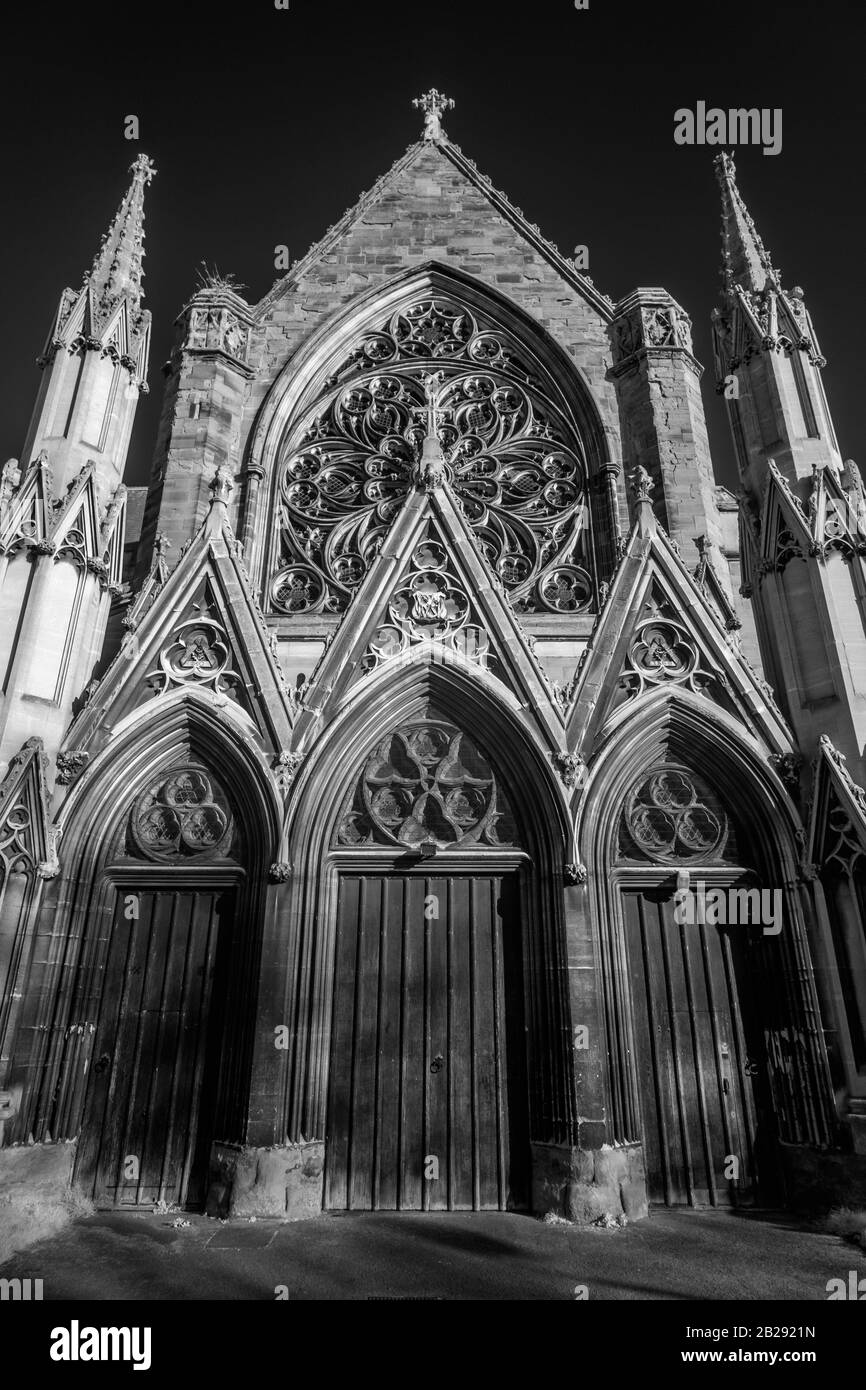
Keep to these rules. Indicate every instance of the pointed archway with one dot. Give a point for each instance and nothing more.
(142, 1018)
(709, 988)
(424, 966)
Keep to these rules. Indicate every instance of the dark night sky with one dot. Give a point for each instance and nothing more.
(265, 125)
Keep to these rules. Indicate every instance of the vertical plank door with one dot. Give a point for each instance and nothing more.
(695, 1081)
(151, 1092)
(427, 1097)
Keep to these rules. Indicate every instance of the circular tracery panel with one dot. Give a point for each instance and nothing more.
(510, 456)
(671, 816)
(426, 782)
(183, 815)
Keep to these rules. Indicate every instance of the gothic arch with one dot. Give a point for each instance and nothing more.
(389, 697)
(306, 928)
(678, 731)
(312, 368)
(66, 992)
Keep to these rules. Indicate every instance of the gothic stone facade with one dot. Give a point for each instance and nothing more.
(357, 776)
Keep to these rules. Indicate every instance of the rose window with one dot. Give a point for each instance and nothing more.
(511, 456)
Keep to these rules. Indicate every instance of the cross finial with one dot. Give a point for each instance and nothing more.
(143, 167)
(433, 104)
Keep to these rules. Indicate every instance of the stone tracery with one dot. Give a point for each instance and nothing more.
(182, 815)
(426, 782)
(511, 457)
(670, 816)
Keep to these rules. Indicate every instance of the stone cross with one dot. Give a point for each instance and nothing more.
(144, 167)
(433, 104)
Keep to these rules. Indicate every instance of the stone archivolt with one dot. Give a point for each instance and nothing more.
(512, 459)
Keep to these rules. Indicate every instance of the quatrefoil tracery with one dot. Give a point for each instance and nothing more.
(513, 461)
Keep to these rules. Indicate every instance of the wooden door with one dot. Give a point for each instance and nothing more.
(149, 1109)
(695, 1054)
(427, 1100)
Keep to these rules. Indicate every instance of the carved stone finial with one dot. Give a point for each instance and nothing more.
(433, 104)
(222, 484)
(143, 168)
(9, 480)
(431, 470)
(642, 484)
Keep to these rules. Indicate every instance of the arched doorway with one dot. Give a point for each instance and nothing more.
(711, 1039)
(693, 915)
(428, 1096)
(169, 1034)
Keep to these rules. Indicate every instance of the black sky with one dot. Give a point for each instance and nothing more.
(265, 125)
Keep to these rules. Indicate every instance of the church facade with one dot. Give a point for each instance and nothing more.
(433, 792)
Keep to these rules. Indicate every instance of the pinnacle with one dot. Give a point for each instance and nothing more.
(745, 260)
(117, 267)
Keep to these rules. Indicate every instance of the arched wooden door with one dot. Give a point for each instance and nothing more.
(148, 1121)
(693, 980)
(164, 1037)
(427, 1101)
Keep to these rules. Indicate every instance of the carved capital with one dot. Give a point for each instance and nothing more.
(280, 872)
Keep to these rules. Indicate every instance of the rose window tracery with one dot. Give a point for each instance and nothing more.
(426, 782)
(510, 455)
(671, 816)
(182, 815)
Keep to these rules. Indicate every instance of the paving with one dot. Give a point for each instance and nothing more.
(672, 1255)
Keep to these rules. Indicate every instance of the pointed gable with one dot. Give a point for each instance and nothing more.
(433, 202)
(657, 632)
(431, 597)
(27, 842)
(199, 630)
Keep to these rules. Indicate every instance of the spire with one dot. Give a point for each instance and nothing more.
(117, 267)
(745, 261)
